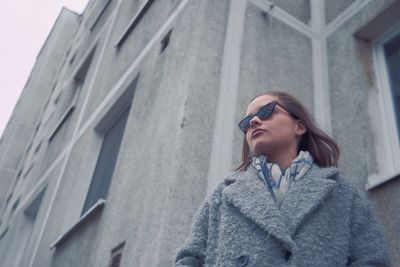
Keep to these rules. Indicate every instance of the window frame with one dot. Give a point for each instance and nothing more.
(77, 80)
(134, 22)
(64, 117)
(125, 110)
(388, 141)
(123, 100)
(94, 18)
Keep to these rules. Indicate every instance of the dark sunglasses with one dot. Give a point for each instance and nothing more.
(263, 113)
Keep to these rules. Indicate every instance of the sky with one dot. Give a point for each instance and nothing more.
(24, 27)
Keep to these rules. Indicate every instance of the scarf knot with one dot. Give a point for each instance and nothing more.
(276, 181)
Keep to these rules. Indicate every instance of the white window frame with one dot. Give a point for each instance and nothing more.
(121, 101)
(384, 121)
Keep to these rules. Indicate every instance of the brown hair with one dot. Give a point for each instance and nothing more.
(323, 148)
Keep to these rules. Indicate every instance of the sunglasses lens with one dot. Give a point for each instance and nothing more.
(266, 111)
(263, 113)
(245, 124)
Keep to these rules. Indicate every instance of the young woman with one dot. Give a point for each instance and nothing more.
(286, 204)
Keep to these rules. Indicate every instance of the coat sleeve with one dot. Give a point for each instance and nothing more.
(193, 252)
(367, 243)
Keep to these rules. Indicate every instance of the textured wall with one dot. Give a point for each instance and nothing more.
(163, 168)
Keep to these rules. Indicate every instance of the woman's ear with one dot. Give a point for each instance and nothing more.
(300, 128)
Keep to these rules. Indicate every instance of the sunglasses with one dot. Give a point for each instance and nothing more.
(263, 113)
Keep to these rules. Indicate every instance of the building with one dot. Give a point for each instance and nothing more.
(128, 119)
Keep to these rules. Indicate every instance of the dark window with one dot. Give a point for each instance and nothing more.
(165, 41)
(96, 15)
(69, 96)
(15, 205)
(392, 54)
(33, 208)
(116, 255)
(106, 161)
(135, 21)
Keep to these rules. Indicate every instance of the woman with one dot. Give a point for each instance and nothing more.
(286, 204)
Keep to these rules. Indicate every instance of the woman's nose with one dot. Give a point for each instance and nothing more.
(255, 121)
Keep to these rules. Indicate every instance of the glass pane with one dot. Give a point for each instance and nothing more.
(392, 53)
(106, 162)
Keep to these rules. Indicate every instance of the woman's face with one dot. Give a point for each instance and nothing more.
(279, 132)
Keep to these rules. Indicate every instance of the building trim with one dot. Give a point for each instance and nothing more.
(381, 23)
(343, 17)
(4, 232)
(99, 15)
(369, 186)
(322, 102)
(283, 16)
(68, 149)
(119, 84)
(222, 149)
(62, 120)
(98, 206)
(79, 130)
(134, 22)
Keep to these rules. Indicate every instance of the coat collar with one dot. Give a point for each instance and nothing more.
(248, 194)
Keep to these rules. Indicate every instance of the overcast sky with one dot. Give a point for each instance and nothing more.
(24, 26)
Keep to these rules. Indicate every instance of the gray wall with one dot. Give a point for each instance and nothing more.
(181, 137)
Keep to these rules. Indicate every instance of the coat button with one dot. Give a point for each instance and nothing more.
(288, 254)
(243, 260)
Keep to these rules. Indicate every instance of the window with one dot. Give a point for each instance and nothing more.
(386, 53)
(382, 36)
(106, 162)
(387, 62)
(111, 127)
(392, 54)
(96, 15)
(116, 255)
(15, 205)
(33, 208)
(134, 22)
(69, 96)
(165, 41)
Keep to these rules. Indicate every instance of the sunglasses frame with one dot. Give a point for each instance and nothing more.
(263, 113)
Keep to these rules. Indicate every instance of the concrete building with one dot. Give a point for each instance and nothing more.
(128, 119)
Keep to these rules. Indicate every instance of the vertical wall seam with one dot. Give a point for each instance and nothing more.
(322, 104)
(221, 150)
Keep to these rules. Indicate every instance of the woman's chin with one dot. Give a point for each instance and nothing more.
(259, 151)
(264, 147)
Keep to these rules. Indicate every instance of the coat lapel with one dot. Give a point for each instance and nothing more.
(307, 194)
(249, 194)
(251, 197)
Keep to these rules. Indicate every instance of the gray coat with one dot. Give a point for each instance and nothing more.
(324, 220)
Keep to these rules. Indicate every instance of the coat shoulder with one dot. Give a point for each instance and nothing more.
(349, 190)
(215, 195)
(347, 185)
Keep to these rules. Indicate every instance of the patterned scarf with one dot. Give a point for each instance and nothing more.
(278, 182)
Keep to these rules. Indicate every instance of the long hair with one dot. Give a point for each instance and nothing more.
(323, 148)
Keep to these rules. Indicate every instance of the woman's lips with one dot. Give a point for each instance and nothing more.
(256, 133)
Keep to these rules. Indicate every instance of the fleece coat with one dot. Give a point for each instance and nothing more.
(324, 220)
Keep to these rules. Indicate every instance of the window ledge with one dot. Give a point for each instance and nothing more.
(64, 117)
(84, 218)
(370, 186)
(4, 232)
(134, 22)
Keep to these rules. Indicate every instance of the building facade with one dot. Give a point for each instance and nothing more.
(128, 119)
